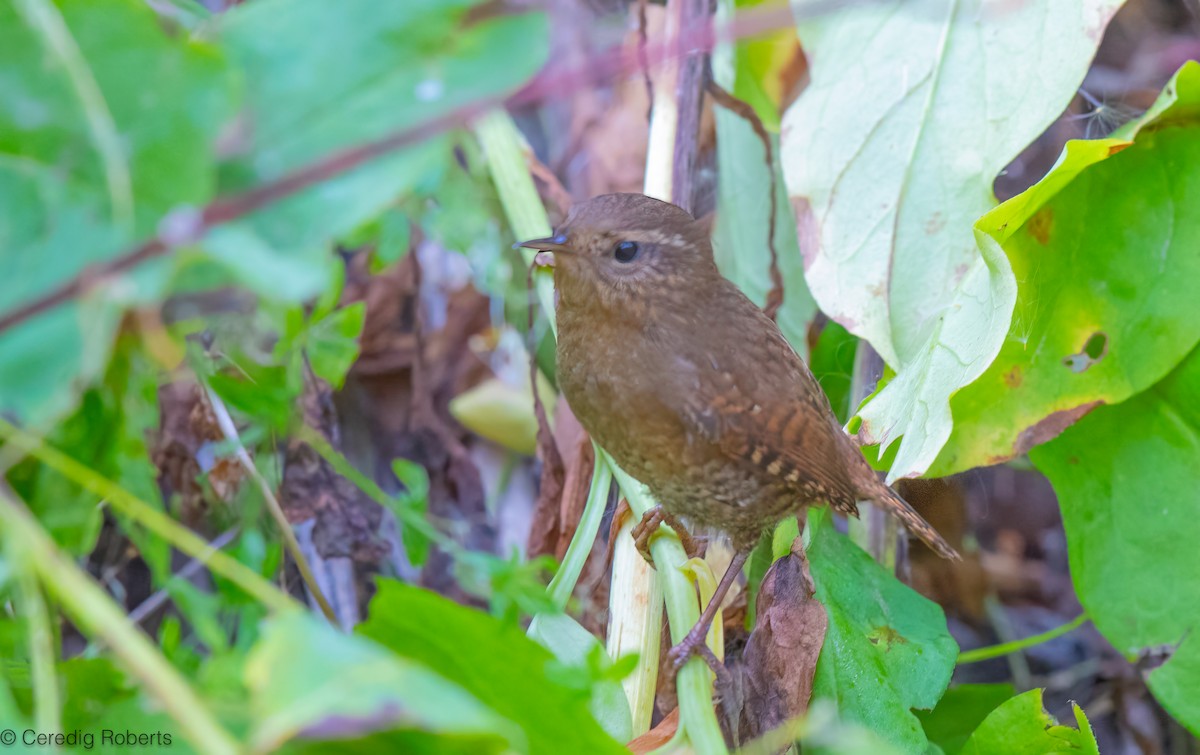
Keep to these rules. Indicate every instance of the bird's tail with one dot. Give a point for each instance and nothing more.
(890, 501)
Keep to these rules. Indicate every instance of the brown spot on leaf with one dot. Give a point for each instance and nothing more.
(885, 636)
(1051, 426)
(935, 224)
(1041, 224)
(808, 230)
(1013, 378)
(1115, 148)
(960, 272)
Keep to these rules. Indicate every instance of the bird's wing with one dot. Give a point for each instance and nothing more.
(756, 400)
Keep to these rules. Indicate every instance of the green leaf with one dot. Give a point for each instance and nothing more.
(1126, 478)
(886, 650)
(415, 500)
(98, 93)
(107, 432)
(1104, 249)
(105, 124)
(832, 363)
(327, 77)
(100, 703)
(333, 342)
(576, 647)
(1022, 726)
(960, 712)
(492, 660)
(890, 153)
(743, 214)
(348, 687)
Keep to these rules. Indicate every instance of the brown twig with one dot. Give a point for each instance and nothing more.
(555, 191)
(689, 98)
(725, 99)
(187, 226)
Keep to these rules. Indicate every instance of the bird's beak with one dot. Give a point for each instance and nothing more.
(548, 249)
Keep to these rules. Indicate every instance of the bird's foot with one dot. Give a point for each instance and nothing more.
(644, 530)
(694, 644)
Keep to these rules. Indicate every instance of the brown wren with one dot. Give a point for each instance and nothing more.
(691, 388)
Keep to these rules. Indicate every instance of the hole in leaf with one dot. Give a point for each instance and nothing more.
(1093, 351)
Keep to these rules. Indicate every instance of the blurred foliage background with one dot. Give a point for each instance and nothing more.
(271, 474)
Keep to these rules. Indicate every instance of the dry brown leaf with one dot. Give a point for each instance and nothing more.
(775, 679)
(656, 737)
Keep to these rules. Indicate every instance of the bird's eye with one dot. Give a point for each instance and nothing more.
(560, 239)
(626, 251)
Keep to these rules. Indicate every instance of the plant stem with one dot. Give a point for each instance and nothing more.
(96, 613)
(151, 518)
(1007, 648)
(693, 686)
(229, 430)
(46, 703)
(563, 583)
(635, 601)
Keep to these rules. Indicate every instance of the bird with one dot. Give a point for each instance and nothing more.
(692, 389)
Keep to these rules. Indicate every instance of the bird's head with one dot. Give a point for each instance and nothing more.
(620, 251)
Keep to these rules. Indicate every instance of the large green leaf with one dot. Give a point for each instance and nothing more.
(913, 108)
(886, 650)
(1022, 726)
(960, 712)
(309, 680)
(743, 212)
(1104, 249)
(105, 124)
(323, 77)
(1127, 479)
(575, 646)
(492, 660)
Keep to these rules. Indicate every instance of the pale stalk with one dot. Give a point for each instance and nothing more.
(94, 612)
(506, 152)
(634, 630)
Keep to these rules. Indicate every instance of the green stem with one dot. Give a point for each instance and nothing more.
(149, 517)
(506, 161)
(1007, 648)
(97, 615)
(563, 583)
(693, 686)
(46, 703)
(527, 217)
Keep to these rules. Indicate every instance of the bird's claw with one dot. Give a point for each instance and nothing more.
(694, 644)
(644, 531)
